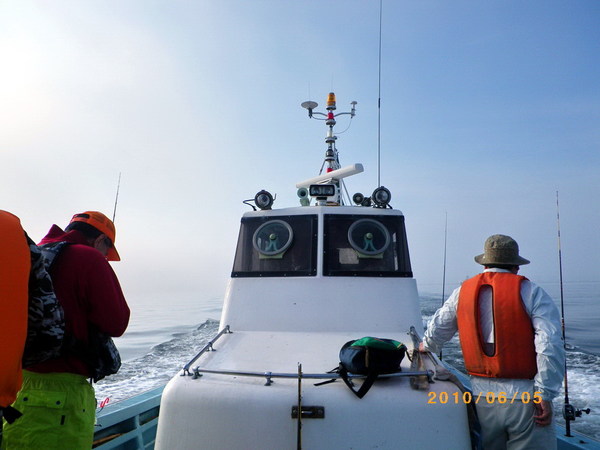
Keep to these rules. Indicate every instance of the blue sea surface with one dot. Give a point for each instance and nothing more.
(164, 334)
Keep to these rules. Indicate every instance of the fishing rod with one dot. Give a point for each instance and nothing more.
(116, 198)
(568, 410)
(444, 272)
(570, 413)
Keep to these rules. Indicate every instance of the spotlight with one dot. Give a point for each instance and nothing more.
(381, 197)
(263, 199)
(366, 201)
(303, 195)
(358, 198)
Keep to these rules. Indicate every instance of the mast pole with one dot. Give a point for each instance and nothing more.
(332, 161)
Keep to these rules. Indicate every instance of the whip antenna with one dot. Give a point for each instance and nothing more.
(116, 198)
(379, 102)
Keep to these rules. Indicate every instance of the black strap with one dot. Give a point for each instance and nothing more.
(366, 385)
(9, 413)
(333, 380)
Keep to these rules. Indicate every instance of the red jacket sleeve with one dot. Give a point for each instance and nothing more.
(106, 305)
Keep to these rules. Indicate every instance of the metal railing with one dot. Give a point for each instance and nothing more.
(207, 348)
(316, 376)
(269, 376)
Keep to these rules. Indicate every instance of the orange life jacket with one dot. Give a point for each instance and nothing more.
(514, 355)
(15, 263)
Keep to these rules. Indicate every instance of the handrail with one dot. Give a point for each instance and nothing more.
(207, 348)
(270, 375)
(333, 376)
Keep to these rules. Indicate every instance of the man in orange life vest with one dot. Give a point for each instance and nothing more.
(31, 319)
(510, 335)
(14, 277)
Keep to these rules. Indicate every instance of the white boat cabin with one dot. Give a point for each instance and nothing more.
(305, 281)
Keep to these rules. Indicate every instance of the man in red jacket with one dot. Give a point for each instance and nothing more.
(57, 401)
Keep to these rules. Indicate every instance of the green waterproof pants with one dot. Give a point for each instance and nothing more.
(59, 411)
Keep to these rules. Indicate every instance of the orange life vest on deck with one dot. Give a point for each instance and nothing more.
(514, 355)
(15, 263)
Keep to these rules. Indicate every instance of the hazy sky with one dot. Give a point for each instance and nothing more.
(488, 108)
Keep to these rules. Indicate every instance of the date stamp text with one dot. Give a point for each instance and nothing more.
(483, 397)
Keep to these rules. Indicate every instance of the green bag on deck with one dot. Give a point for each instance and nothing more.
(369, 356)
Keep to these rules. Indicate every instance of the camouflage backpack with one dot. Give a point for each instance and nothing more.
(46, 322)
(100, 353)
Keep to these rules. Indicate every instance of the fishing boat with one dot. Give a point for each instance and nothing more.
(305, 281)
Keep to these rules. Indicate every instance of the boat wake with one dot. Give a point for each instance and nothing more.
(157, 367)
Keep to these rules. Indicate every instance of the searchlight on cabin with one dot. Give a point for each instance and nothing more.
(263, 199)
(381, 197)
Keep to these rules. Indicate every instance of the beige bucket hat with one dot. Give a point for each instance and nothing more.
(500, 249)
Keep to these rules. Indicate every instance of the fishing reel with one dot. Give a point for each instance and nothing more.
(570, 413)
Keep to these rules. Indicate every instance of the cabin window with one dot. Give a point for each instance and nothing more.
(276, 247)
(365, 246)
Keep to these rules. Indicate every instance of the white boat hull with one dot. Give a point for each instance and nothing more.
(218, 411)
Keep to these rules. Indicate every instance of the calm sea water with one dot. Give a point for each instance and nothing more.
(162, 339)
